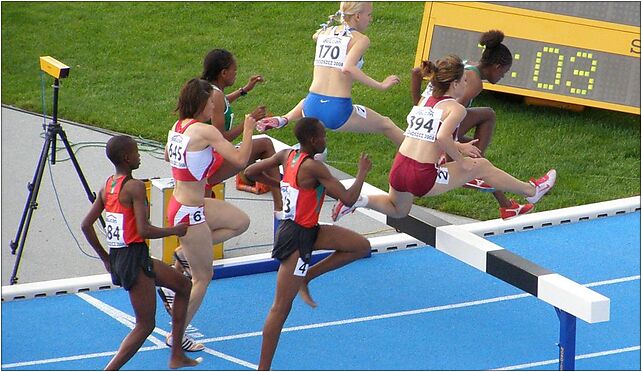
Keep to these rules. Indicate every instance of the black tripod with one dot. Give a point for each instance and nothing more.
(53, 129)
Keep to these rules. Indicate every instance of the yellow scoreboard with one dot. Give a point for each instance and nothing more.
(581, 53)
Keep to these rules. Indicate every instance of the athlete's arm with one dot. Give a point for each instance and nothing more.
(474, 86)
(416, 78)
(257, 171)
(218, 117)
(134, 194)
(251, 83)
(237, 157)
(334, 188)
(87, 227)
(357, 50)
(455, 114)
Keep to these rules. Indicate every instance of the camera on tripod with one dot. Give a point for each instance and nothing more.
(54, 67)
(53, 130)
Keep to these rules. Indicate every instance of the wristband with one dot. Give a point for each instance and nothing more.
(243, 92)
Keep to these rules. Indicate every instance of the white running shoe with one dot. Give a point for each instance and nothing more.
(189, 344)
(271, 122)
(180, 257)
(339, 210)
(542, 185)
(167, 297)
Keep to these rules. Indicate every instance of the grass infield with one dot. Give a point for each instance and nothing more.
(129, 59)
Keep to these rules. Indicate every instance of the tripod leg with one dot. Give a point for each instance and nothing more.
(90, 195)
(30, 205)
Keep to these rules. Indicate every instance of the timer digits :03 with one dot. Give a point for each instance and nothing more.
(591, 66)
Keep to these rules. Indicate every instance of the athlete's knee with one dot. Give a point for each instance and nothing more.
(184, 286)
(201, 278)
(363, 247)
(263, 146)
(146, 326)
(242, 223)
(281, 308)
(480, 166)
(489, 117)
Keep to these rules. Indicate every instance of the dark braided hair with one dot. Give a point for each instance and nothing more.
(494, 52)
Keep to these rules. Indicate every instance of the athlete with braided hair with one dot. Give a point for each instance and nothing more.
(337, 64)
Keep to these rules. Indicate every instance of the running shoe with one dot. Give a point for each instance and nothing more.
(479, 184)
(167, 297)
(339, 210)
(542, 185)
(271, 122)
(189, 344)
(515, 210)
(180, 257)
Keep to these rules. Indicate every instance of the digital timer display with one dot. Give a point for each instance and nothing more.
(553, 68)
(585, 53)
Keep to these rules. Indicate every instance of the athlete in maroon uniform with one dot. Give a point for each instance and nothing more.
(431, 131)
(305, 182)
(124, 200)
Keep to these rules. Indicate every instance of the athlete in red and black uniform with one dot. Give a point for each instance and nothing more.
(305, 182)
(124, 201)
(431, 131)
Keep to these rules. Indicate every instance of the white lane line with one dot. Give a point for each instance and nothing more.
(320, 325)
(231, 358)
(74, 357)
(122, 317)
(409, 312)
(577, 357)
(130, 321)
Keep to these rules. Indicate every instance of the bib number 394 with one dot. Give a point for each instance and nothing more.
(423, 123)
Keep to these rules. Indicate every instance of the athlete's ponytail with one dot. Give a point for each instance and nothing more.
(494, 51)
(347, 9)
(442, 73)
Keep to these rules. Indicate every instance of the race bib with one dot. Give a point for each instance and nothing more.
(196, 216)
(176, 149)
(114, 223)
(301, 268)
(428, 91)
(290, 196)
(331, 51)
(442, 176)
(423, 123)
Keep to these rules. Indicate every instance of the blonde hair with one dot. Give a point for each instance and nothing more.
(442, 73)
(347, 9)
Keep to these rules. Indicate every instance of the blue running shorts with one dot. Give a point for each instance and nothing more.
(332, 111)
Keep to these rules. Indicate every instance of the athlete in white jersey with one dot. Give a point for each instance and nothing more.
(337, 64)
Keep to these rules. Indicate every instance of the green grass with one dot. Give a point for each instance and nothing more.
(129, 59)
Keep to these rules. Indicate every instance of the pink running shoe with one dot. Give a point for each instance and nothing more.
(542, 185)
(479, 184)
(515, 210)
(271, 122)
